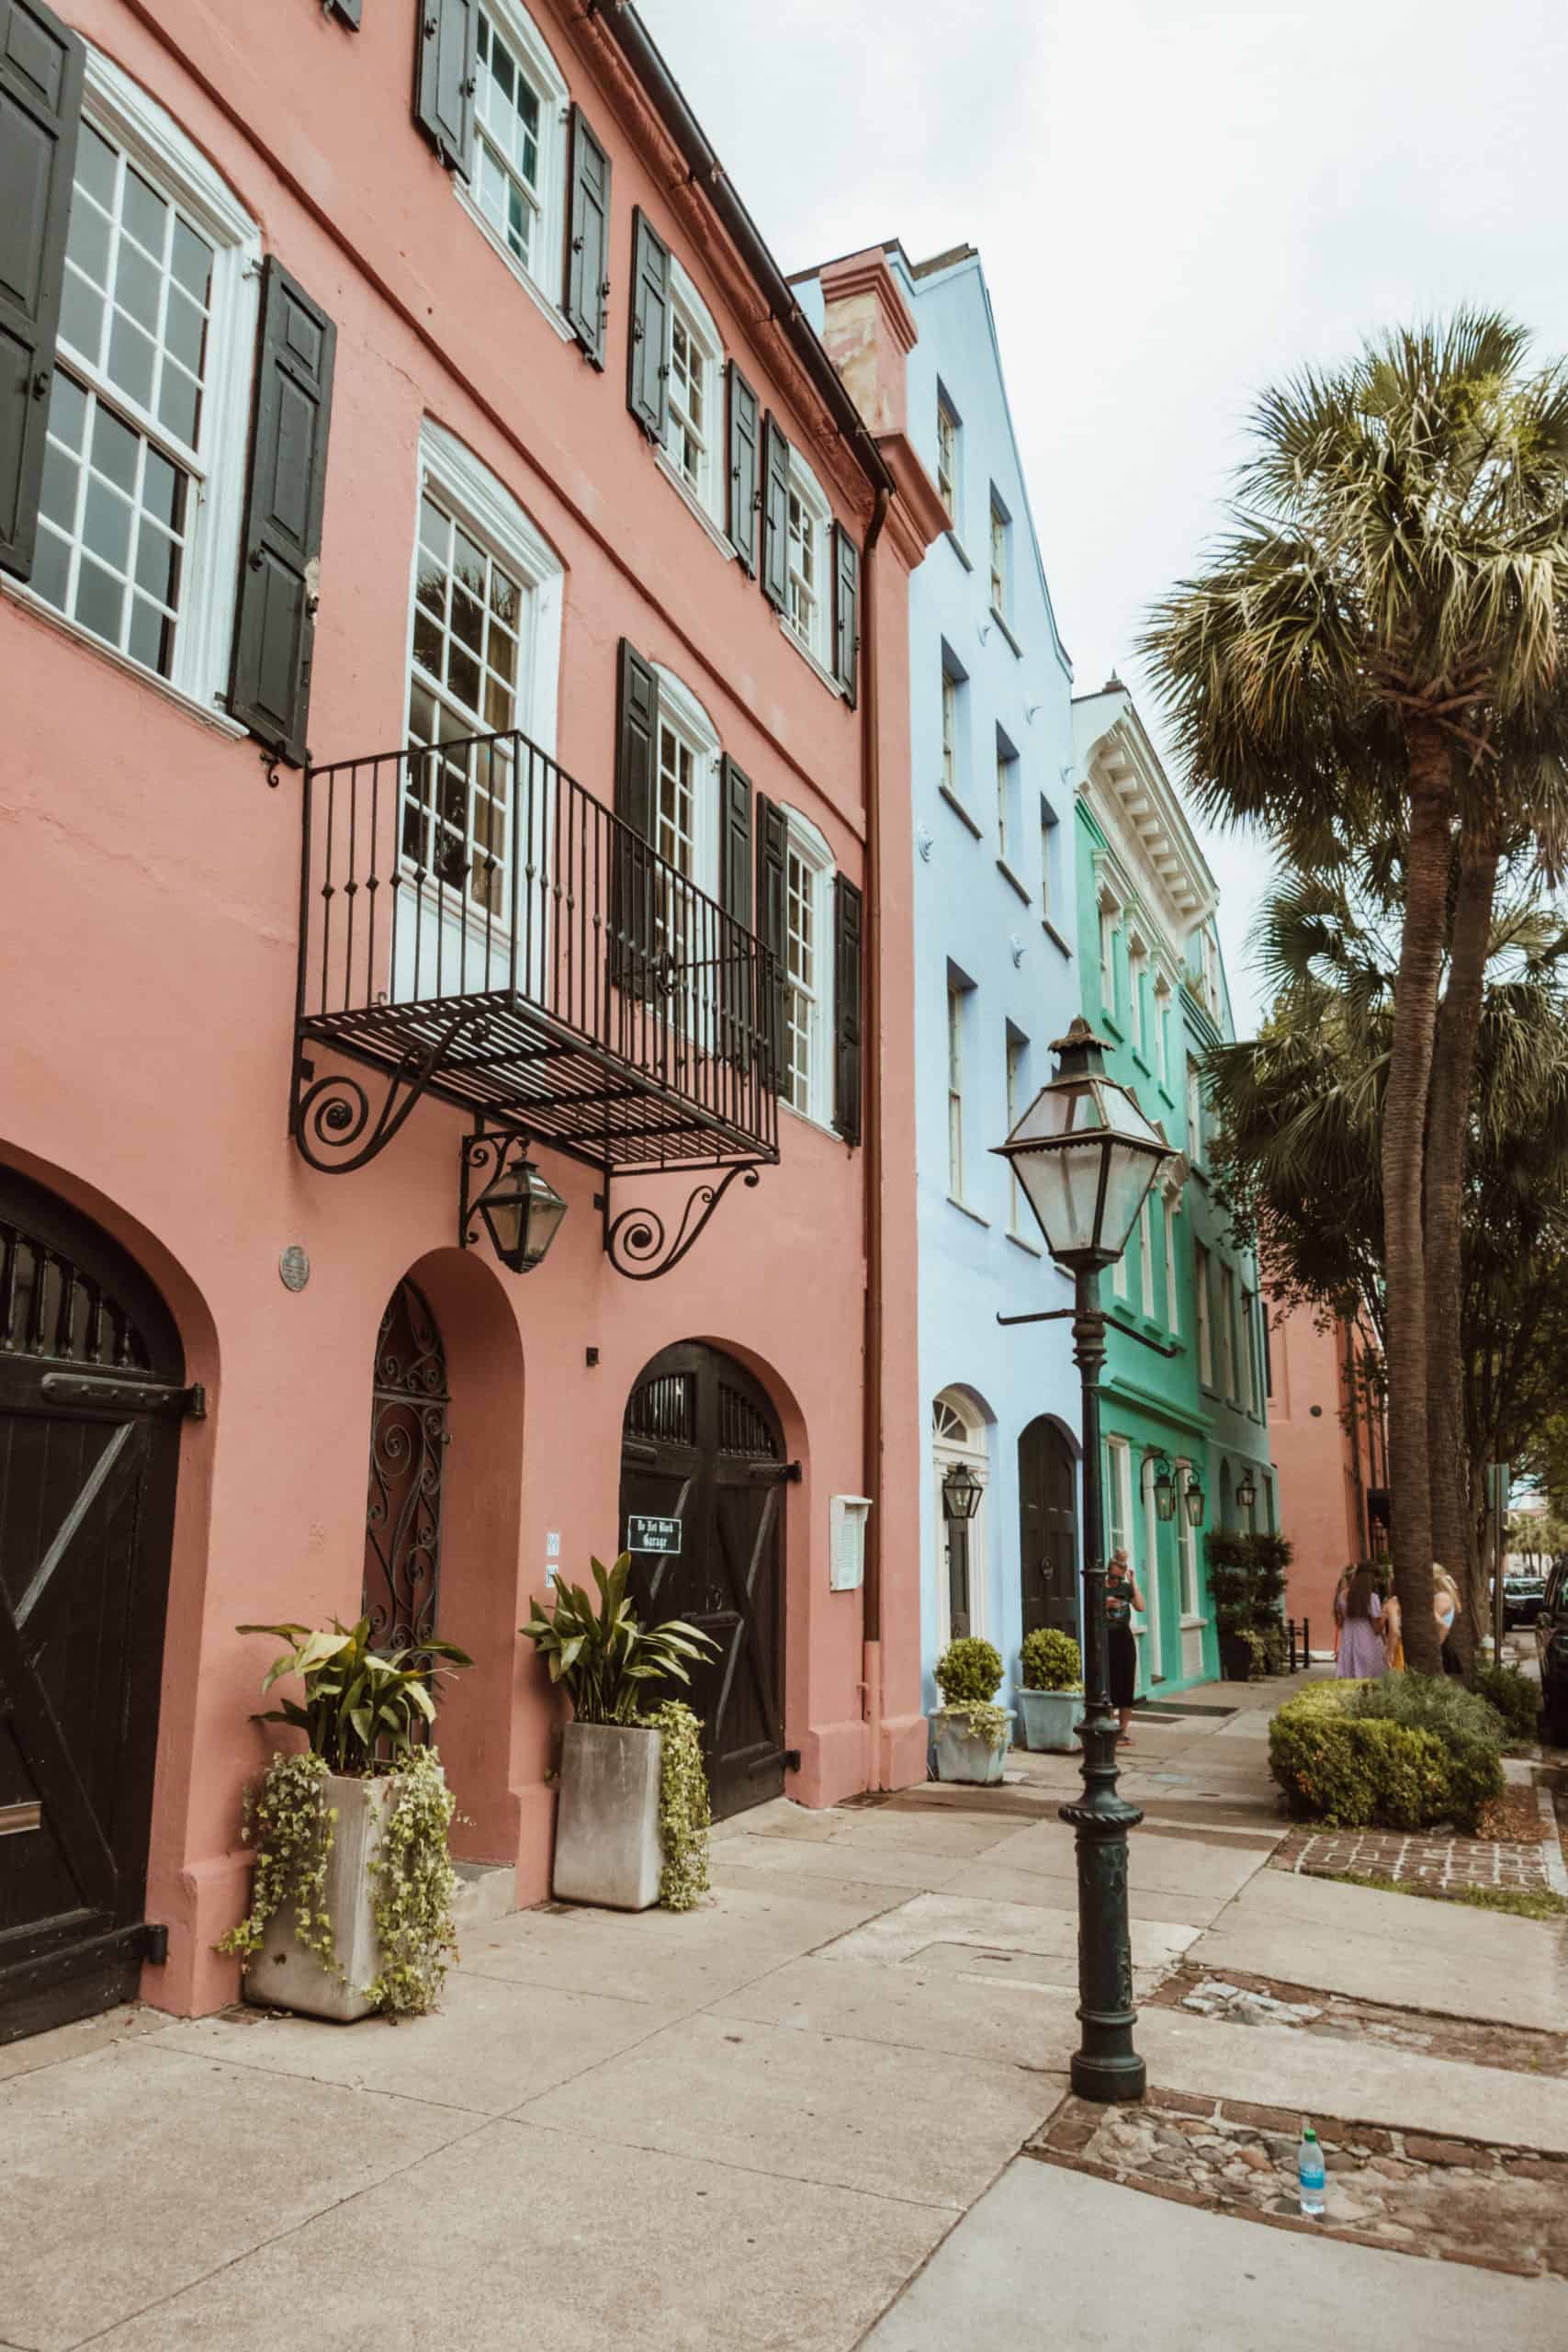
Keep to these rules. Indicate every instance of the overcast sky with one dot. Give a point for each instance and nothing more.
(1175, 204)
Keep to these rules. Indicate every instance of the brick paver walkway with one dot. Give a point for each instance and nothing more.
(1443, 1862)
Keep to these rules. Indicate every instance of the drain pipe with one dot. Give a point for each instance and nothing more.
(871, 1130)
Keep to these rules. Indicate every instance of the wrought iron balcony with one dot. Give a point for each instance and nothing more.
(476, 926)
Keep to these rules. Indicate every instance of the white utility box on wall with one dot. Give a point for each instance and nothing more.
(846, 1542)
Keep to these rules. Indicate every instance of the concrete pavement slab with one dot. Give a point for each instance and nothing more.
(861, 1859)
(852, 1899)
(521, 2236)
(1180, 1865)
(1356, 2080)
(489, 2046)
(927, 1919)
(1022, 2023)
(924, 1829)
(1415, 1952)
(911, 2123)
(780, 1818)
(127, 2023)
(1055, 2256)
(128, 2174)
(997, 1885)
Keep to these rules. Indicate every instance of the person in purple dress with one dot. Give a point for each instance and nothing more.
(1361, 1652)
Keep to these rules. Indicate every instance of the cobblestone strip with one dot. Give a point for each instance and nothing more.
(1552, 1850)
(1449, 2199)
(1418, 1858)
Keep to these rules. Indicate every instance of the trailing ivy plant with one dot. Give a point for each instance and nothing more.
(289, 1823)
(684, 1812)
(411, 1886)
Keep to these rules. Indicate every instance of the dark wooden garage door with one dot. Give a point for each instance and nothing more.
(702, 1444)
(1047, 1527)
(90, 1399)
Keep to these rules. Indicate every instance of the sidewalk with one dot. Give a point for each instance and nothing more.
(753, 2126)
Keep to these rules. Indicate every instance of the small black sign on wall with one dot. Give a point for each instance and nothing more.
(650, 1534)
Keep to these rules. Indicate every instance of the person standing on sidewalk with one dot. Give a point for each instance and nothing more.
(1359, 1613)
(1122, 1597)
(1446, 1606)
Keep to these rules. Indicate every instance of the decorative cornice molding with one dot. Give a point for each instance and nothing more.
(868, 272)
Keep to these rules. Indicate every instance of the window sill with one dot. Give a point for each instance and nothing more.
(206, 714)
(1055, 937)
(1021, 1241)
(1138, 1057)
(1109, 1022)
(1005, 870)
(959, 550)
(965, 1210)
(810, 658)
(958, 808)
(810, 1119)
(503, 252)
(692, 503)
(1193, 1624)
(1001, 622)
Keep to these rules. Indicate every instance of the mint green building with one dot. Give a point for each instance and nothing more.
(1185, 1382)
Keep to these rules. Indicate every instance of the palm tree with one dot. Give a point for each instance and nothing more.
(1378, 648)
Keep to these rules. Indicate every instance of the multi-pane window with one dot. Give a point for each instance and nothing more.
(675, 838)
(1118, 1494)
(1108, 927)
(1227, 1333)
(1138, 974)
(123, 469)
(1172, 1304)
(685, 429)
(1162, 1031)
(1194, 1113)
(507, 109)
(801, 950)
(1016, 1056)
(955, 1091)
(947, 459)
(1146, 1256)
(998, 557)
(950, 730)
(1187, 1543)
(1047, 831)
(1205, 1333)
(1007, 789)
(1248, 1394)
(467, 625)
(805, 567)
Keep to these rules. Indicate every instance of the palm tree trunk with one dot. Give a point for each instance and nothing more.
(1447, 1153)
(1403, 1152)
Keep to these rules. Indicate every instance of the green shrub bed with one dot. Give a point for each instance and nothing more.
(1401, 1753)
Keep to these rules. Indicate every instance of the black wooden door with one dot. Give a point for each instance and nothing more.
(90, 1367)
(702, 1444)
(1047, 1527)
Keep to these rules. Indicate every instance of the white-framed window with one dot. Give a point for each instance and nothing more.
(1187, 1542)
(950, 730)
(1172, 1301)
(1227, 1333)
(1007, 795)
(1047, 856)
(693, 409)
(809, 556)
(685, 823)
(1248, 1384)
(516, 187)
(484, 647)
(1212, 973)
(1205, 1311)
(1001, 556)
(144, 462)
(1017, 1074)
(947, 445)
(1109, 923)
(1119, 1497)
(1137, 975)
(956, 996)
(959, 1437)
(1194, 1113)
(808, 969)
(1162, 1040)
(1147, 1256)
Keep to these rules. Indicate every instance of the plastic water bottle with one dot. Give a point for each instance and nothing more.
(1309, 2172)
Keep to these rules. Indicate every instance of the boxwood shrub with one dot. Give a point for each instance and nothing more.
(1517, 1699)
(1397, 1754)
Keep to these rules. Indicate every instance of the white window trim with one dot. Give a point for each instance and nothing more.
(972, 1448)
(1228, 1386)
(953, 1077)
(555, 114)
(1147, 1258)
(1137, 973)
(999, 542)
(810, 845)
(204, 636)
(955, 515)
(1172, 1295)
(1015, 1052)
(1201, 1290)
(805, 487)
(680, 709)
(706, 496)
(1110, 911)
(1187, 1551)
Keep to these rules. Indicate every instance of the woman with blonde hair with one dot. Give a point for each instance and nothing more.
(1446, 1606)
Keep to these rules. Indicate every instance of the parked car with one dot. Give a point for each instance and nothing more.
(1524, 1589)
(1551, 1648)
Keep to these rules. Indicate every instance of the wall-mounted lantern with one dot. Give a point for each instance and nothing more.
(961, 1492)
(520, 1210)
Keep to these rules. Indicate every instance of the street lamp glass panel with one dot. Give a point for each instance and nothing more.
(961, 1491)
(1062, 1189)
(1133, 1171)
(1247, 1494)
(1193, 1498)
(522, 1213)
(1165, 1491)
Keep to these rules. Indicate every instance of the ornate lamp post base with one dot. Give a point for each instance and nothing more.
(1105, 2067)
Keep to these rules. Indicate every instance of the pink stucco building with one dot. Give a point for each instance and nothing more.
(455, 631)
(1326, 1430)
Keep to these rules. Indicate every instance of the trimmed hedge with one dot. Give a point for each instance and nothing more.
(1393, 1754)
(969, 1671)
(1517, 1699)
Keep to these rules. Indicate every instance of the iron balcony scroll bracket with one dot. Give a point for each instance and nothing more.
(332, 1116)
(638, 1242)
(483, 1157)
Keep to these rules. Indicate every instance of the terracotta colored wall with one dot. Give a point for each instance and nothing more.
(144, 1067)
(1314, 1463)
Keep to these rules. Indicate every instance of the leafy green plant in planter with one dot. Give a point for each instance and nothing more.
(604, 1654)
(1051, 1660)
(362, 1714)
(969, 1674)
(1050, 1700)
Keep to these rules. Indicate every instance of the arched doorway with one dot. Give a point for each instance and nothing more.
(91, 1368)
(1048, 1527)
(958, 1438)
(702, 1447)
(409, 1438)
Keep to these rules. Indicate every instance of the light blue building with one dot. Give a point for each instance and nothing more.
(996, 935)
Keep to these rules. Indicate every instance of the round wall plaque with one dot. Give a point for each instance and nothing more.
(294, 1267)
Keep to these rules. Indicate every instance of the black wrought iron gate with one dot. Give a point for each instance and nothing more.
(91, 1369)
(408, 1455)
(702, 1446)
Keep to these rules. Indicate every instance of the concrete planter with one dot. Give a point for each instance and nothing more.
(608, 1849)
(1050, 1719)
(284, 1975)
(963, 1755)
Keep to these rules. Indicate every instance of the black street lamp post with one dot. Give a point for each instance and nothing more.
(1086, 1156)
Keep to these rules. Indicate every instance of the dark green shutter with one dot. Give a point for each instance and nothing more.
(275, 617)
(445, 72)
(846, 611)
(40, 105)
(775, 514)
(744, 422)
(636, 759)
(346, 11)
(848, 930)
(646, 364)
(772, 916)
(735, 898)
(588, 240)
